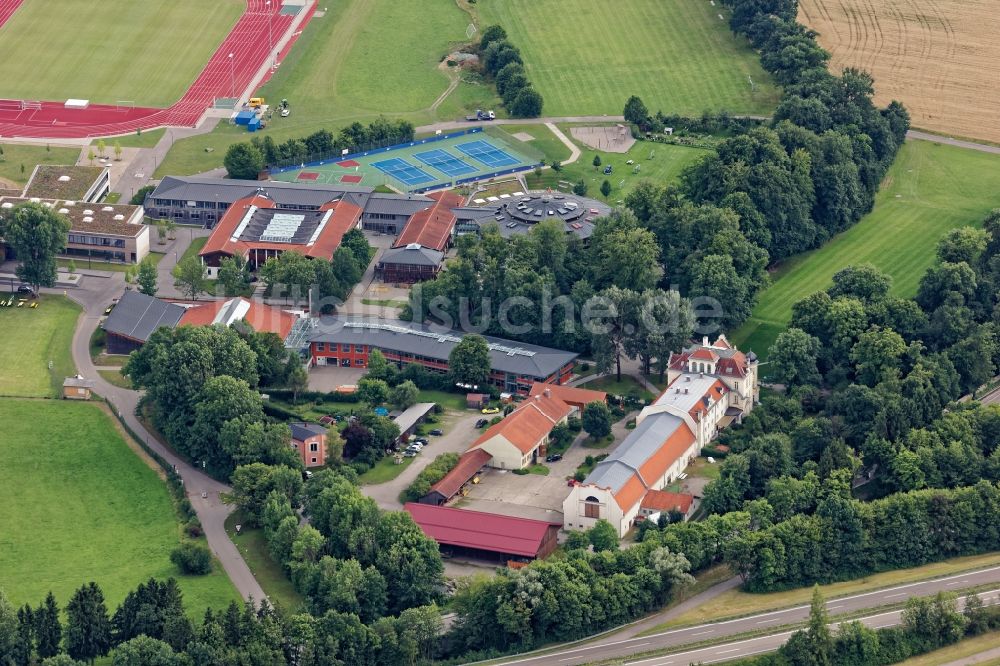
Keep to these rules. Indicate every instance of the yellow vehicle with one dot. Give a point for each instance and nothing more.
(491, 410)
(256, 102)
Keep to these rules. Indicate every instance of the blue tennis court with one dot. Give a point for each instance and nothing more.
(487, 153)
(444, 162)
(403, 171)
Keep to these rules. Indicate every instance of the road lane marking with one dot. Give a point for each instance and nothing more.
(702, 633)
(832, 607)
(727, 651)
(899, 594)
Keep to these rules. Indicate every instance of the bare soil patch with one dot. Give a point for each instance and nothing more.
(940, 58)
(610, 139)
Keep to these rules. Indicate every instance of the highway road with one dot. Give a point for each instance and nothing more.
(612, 647)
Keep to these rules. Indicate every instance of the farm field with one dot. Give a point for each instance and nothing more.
(929, 190)
(145, 52)
(32, 338)
(87, 510)
(588, 57)
(938, 58)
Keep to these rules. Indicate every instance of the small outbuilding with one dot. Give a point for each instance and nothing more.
(77, 388)
(454, 482)
(476, 400)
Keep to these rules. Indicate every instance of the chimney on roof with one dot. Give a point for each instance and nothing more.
(704, 341)
(548, 393)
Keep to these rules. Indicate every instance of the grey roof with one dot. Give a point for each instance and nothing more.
(136, 316)
(437, 342)
(413, 256)
(396, 204)
(79, 382)
(303, 431)
(412, 415)
(198, 188)
(640, 445)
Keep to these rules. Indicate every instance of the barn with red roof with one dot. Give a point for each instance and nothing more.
(485, 535)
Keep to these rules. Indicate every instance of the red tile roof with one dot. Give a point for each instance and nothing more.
(345, 216)
(432, 226)
(705, 354)
(527, 425)
(486, 531)
(261, 317)
(660, 500)
(468, 465)
(569, 394)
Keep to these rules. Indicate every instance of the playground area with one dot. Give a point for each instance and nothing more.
(610, 138)
(438, 161)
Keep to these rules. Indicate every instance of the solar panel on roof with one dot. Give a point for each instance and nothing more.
(282, 228)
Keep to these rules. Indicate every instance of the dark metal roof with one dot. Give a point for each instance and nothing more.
(436, 342)
(412, 255)
(396, 204)
(303, 431)
(196, 188)
(136, 316)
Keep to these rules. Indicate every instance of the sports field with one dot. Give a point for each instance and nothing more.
(930, 189)
(79, 506)
(147, 52)
(32, 338)
(425, 164)
(588, 57)
(938, 57)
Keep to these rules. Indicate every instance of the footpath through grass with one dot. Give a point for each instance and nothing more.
(587, 58)
(737, 603)
(80, 506)
(31, 339)
(931, 189)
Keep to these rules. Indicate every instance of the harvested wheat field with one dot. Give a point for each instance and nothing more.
(941, 58)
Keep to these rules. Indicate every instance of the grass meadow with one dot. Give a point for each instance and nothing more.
(32, 338)
(18, 159)
(588, 57)
(145, 52)
(931, 189)
(80, 506)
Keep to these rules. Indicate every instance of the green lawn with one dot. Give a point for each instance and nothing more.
(33, 338)
(363, 59)
(18, 160)
(145, 52)
(929, 190)
(81, 263)
(385, 470)
(666, 165)
(146, 139)
(115, 377)
(588, 57)
(87, 510)
(194, 248)
(628, 386)
(253, 547)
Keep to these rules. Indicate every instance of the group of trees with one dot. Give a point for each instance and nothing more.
(928, 624)
(202, 381)
(502, 61)
(868, 378)
(246, 160)
(295, 274)
(37, 235)
(541, 287)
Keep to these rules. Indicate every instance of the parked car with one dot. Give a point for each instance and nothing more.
(608, 169)
(437, 432)
(409, 454)
(421, 441)
(491, 410)
(555, 457)
(481, 423)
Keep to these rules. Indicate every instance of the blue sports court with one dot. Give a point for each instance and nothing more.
(446, 163)
(403, 171)
(487, 153)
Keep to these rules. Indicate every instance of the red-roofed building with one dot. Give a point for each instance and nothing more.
(519, 439)
(256, 229)
(432, 227)
(661, 501)
(452, 483)
(571, 395)
(263, 318)
(487, 535)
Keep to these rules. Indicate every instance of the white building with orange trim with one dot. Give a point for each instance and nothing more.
(710, 386)
(520, 439)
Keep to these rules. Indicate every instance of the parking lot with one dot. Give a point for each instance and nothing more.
(527, 496)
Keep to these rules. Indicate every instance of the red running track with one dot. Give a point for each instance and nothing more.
(248, 42)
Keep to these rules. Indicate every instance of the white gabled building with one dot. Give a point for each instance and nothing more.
(709, 386)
